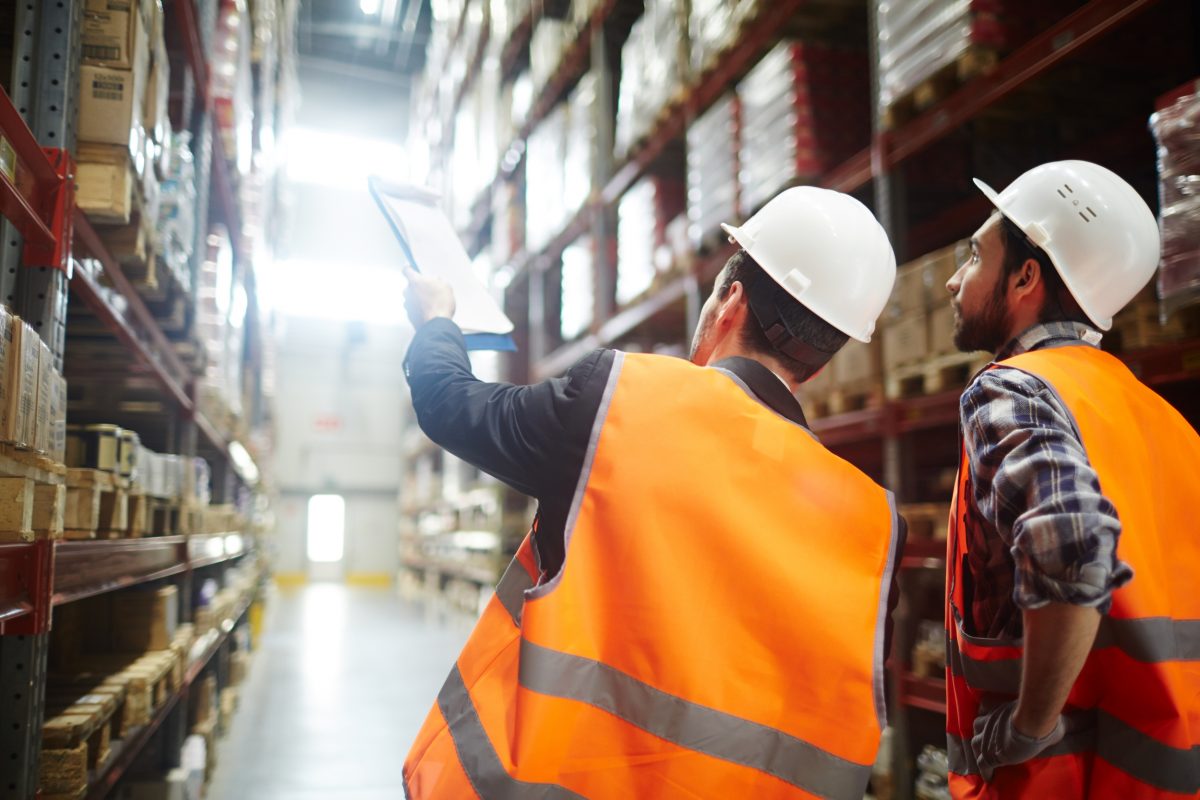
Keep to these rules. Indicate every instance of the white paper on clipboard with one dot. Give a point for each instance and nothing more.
(431, 246)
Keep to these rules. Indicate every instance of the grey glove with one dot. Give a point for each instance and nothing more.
(997, 743)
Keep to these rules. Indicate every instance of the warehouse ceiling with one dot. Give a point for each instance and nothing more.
(381, 40)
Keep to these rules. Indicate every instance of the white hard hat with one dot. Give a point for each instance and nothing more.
(828, 251)
(1099, 233)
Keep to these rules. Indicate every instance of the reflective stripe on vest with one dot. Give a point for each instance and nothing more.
(1134, 713)
(543, 718)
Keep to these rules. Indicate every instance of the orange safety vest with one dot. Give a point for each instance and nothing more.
(716, 629)
(1133, 715)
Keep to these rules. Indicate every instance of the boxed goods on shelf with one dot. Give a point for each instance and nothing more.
(644, 250)
(1175, 131)
(653, 71)
(113, 39)
(578, 289)
(580, 144)
(105, 182)
(712, 169)
(712, 27)
(145, 620)
(544, 176)
(176, 224)
(550, 38)
(801, 115)
(230, 83)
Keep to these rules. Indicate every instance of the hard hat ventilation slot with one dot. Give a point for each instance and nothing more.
(1085, 216)
(1060, 194)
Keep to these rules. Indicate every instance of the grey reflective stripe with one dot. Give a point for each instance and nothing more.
(1150, 640)
(1146, 758)
(510, 591)
(885, 589)
(477, 755)
(1120, 744)
(691, 725)
(585, 473)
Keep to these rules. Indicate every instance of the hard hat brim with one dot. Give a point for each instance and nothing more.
(989, 192)
(733, 231)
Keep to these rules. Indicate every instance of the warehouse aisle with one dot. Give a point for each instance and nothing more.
(336, 692)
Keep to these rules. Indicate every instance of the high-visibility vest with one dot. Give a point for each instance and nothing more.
(1133, 715)
(716, 629)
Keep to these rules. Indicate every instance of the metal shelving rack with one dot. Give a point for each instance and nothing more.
(36, 202)
(880, 439)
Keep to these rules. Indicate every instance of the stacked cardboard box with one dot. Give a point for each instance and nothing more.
(918, 323)
(645, 214)
(33, 396)
(801, 115)
(123, 85)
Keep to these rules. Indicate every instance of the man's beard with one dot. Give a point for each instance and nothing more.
(987, 330)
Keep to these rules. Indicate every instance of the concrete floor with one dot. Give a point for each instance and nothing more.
(336, 692)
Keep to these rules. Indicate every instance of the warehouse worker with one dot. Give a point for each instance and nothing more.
(1072, 607)
(700, 608)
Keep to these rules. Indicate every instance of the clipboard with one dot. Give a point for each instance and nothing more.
(431, 246)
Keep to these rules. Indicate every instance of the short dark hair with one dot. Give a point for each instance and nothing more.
(1060, 305)
(801, 322)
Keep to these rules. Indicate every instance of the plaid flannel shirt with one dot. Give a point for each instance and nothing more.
(1041, 530)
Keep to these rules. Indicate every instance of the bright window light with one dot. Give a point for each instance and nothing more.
(326, 528)
(340, 160)
(370, 7)
(339, 292)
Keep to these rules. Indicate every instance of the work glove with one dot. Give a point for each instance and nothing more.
(997, 743)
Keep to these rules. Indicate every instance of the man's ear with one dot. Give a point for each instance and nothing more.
(1027, 280)
(732, 310)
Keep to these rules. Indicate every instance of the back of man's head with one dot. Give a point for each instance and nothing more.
(803, 325)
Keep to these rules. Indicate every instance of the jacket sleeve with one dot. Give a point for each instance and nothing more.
(532, 438)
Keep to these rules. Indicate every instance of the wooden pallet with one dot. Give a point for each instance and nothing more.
(32, 495)
(843, 399)
(933, 376)
(97, 505)
(1139, 326)
(941, 84)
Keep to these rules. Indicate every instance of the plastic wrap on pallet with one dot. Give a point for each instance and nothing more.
(799, 116)
(230, 83)
(1177, 132)
(712, 170)
(712, 27)
(176, 227)
(578, 289)
(654, 67)
(579, 145)
(544, 213)
(635, 242)
(465, 168)
(550, 38)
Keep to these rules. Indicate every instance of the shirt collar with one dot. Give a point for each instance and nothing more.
(767, 387)
(1050, 334)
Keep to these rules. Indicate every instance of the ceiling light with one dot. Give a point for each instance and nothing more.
(370, 7)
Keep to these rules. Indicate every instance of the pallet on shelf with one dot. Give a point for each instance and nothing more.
(79, 726)
(97, 505)
(973, 62)
(926, 521)
(933, 376)
(32, 496)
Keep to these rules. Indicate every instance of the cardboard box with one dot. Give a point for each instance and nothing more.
(905, 341)
(23, 378)
(857, 363)
(7, 374)
(109, 107)
(145, 620)
(109, 5)
(58, 421)
(105, 180)
(43, 419)
(110, 38)
(941, 331)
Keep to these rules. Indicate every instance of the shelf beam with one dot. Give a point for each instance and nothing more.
(160, 359)
(1031, 61)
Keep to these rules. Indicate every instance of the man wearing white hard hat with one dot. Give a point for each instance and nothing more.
(1072, 610)
(701, 606)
